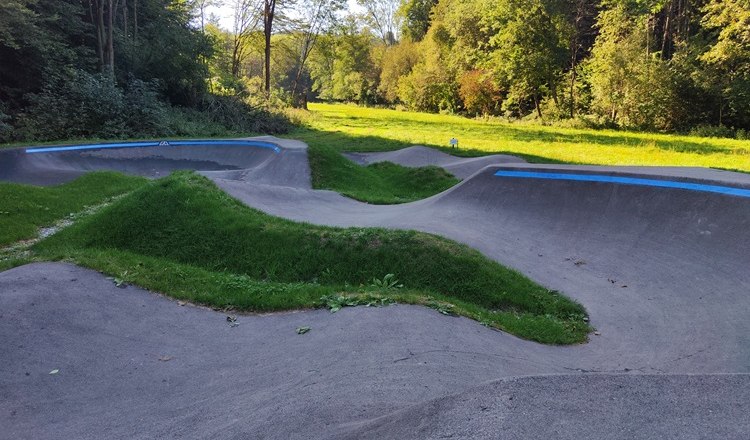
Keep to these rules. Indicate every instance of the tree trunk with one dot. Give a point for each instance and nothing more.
(236, 55)
(135, 19)
(125, 17)
(94, 15)
(572, 93)
(268, 15)
(110, 38)
(667, 32)
(538, 108)
(100, 38)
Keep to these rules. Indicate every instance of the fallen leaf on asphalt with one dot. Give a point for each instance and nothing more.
(302, 330)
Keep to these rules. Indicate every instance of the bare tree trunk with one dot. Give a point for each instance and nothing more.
(94, 15)
(236, 46)
(667, 32)
(100, 39)
(268, 16)
(308, 44)
(125, 18)
(135, 19)
(572, 93)
(110, 38)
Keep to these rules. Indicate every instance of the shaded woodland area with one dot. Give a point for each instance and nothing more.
(113, 68)
(124, 68)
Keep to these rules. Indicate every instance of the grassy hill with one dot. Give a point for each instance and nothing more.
(183, 236)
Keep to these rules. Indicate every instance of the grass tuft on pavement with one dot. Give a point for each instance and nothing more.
(183, 236)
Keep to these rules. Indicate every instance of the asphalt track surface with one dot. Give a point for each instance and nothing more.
(664, 274)
(419, 156)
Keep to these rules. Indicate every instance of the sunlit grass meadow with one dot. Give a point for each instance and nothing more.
(353, 128)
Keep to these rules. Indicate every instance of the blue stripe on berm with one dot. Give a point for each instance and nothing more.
(728, 190)
(224, 142)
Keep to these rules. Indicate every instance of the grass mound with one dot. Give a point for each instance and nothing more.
(380, 183)
(25, 208)
(183, 236)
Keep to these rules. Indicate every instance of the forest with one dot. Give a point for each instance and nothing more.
(136, 68)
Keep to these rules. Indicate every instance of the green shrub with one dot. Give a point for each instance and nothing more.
(6, 129)
(74, 104)
(717, 131)
(238, 116)
(144, 113)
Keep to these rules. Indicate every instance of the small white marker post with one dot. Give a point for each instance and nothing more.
(454, 142)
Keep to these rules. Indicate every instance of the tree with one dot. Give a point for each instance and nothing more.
(38, 37)
(416, 16)
(630, 84)
(198, 6)
(582, 16)
(344, 68)
(729, 57)
(316, 18)
(102, 16)
(269, 13)
(247, 15)
(479, 93)
(529, 49)
(398, 62)
(383, 17)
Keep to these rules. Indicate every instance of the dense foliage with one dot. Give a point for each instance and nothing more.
(146, 67)
(106, 68)
(645, 64)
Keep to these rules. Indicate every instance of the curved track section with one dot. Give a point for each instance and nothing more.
(663, 272)
(661, 267)
(260, 160)
(418, 156)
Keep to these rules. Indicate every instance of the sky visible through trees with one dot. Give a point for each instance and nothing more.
(220, 66)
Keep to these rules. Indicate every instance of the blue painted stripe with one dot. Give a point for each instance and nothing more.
(227, 142)
(728, 190)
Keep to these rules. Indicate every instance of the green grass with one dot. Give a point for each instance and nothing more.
(183, 236)
(351, 128)
(24, 208)
(380, 183)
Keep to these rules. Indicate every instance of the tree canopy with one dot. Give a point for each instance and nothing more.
(643, 64)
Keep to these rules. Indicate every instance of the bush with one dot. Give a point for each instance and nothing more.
(717, 131)
(74, 104)
(480, 94)
(144, 113)
(6, 130)
(238, 116)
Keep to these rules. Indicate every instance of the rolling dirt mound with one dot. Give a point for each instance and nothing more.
(418, 156)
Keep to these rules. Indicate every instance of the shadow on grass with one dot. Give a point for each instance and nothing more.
(343, 142)
(532, 134)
